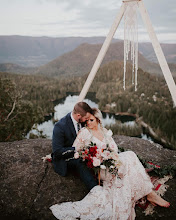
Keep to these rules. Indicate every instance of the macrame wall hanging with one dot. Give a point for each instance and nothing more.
(128, 9)
(131, 40)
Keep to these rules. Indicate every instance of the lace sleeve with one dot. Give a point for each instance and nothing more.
(110, 140)
(81, 139)
(113, 144)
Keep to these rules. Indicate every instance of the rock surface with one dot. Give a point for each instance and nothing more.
(28, 187)
(146, 150)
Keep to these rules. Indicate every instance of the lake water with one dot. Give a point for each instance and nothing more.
(67, 106)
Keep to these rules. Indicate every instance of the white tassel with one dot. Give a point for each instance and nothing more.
(131, 40)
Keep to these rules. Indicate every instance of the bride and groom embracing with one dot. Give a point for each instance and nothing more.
(116, 198)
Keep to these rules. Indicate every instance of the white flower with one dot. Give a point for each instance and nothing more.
(112, 167)
(109, 133)
(96, 162)
(99, 152)
(113, 147)
(103, 167)
(76, 155)
(106, 155)
(47, 157)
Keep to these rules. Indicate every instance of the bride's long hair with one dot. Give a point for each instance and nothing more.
(98, 115)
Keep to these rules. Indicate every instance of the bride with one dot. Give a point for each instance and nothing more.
(117, 197)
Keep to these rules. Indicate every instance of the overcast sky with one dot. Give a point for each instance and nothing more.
(64, 18)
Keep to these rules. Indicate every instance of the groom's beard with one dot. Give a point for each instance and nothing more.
(82, 123)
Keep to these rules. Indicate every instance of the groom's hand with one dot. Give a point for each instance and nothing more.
(68, 154)
(64, 153)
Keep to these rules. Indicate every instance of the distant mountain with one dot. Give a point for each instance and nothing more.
(148, 52)
(36, 51)
(15, 68)
(81, 60)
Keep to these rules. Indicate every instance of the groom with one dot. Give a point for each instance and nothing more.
(64, 134)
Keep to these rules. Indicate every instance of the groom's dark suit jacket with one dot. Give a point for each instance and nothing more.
(64, 135)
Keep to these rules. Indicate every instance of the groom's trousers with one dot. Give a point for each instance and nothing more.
(85, 174)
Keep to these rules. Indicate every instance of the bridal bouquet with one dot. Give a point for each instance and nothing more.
(95, 158)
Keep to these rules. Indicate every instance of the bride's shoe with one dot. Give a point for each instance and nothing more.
(155, 200)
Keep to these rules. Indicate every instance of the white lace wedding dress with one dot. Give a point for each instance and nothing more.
(116, 198)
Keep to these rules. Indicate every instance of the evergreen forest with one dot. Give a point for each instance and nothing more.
(26, 99)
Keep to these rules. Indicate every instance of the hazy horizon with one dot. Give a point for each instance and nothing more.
(140, 41)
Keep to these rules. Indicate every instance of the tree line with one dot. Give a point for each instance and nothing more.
(151, 101)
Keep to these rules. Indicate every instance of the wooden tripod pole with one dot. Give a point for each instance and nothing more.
(159, 53)
(101, 54)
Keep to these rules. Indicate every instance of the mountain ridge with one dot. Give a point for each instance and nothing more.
(81, 60)
(36, 51)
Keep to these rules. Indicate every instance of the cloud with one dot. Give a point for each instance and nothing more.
(79, 17)
(162, 13)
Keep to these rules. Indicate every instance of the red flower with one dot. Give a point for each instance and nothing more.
(90, 163)
(88, 157)
(93, 151)
(154, 164)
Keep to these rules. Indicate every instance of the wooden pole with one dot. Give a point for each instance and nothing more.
(101, 54)
(99, 177)
(159, 53)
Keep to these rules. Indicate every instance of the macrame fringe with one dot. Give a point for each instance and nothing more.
(131, 40)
